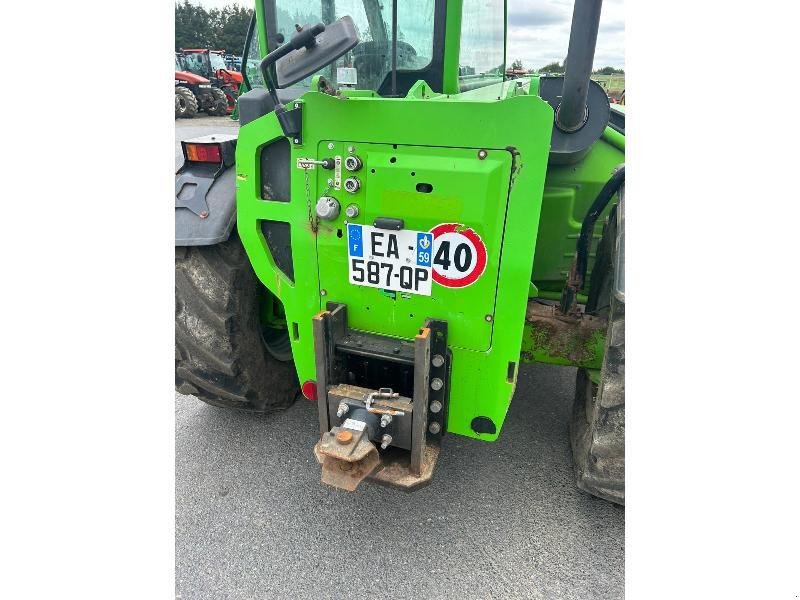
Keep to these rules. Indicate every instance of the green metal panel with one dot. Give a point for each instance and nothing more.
(569, 191)
(436, 135)
(461, 184)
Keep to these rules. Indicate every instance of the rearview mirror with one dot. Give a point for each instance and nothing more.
(321, 50)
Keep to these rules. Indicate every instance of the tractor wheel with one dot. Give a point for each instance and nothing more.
(185, 103)
(598, 420)
(219, 103)
(221, 351)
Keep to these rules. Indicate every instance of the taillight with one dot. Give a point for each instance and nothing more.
(210, 153)
(309, 389)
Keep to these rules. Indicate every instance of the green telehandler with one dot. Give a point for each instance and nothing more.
(397, 227)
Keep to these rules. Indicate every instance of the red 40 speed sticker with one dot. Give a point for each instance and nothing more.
(459, 255)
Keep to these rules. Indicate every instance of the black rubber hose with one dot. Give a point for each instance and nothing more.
(580, 265)
(584, 240)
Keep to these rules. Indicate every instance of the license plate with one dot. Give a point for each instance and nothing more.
(391, 260)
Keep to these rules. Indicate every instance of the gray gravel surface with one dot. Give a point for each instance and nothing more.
(500, 520)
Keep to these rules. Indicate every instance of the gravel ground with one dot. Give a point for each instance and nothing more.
(501, 520)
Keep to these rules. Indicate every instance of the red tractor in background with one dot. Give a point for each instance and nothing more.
(211, 65)
(194, 93)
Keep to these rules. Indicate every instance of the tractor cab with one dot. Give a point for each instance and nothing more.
(211, 65)
(399, 47)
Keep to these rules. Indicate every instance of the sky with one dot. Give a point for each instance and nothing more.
(538, 31)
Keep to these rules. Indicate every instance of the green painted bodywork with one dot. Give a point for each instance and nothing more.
(527, 214)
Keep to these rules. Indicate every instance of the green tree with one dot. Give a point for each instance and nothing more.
(609, 71)
(192, 26)
(216, 29)
(553, 67)
(517, 65)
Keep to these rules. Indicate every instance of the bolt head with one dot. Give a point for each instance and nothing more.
(323, 292)
(436, 384)
(434, 428)
(351, 211)
(436, 406)
(330, 146)
(350, 149)
(489, 318)
(296, 140)
(482, 154)
(344, 436)
(437, 360)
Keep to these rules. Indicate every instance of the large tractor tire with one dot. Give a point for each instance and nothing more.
(598, 420)
(221, 348)
(219, 104)
(185, 103)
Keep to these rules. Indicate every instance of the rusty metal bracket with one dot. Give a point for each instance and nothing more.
(347, 457)
(419, 423)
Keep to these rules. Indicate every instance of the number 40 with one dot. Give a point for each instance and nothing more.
(462, 258)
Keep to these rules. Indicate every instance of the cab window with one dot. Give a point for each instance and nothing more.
(482, 51)
(370, 62)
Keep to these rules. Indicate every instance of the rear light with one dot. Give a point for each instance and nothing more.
(309, 389)
(210, 153)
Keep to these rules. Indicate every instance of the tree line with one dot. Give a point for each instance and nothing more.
(217, 29)
(557, 67)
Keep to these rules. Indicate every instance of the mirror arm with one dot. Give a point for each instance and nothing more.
(304, 38)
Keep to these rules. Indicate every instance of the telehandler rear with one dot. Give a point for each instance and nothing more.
(396, 228)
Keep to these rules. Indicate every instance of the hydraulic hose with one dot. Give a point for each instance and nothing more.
(577, 274)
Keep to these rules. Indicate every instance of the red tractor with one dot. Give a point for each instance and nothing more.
(194, 93)
(211, 65)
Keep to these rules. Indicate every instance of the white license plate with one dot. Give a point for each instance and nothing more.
(390, 260)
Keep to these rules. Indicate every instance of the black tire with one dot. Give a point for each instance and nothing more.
(185, 103)
(597, 431)
(219, 104)
(220, 354)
